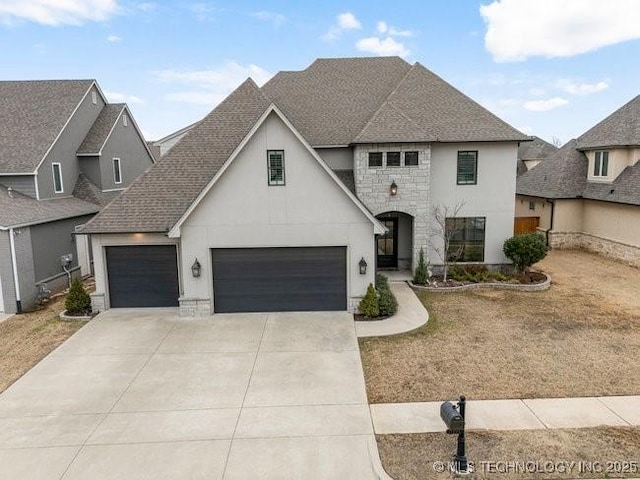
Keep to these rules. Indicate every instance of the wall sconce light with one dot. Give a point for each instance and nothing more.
(363, 266)
(196, 268)
(394, 188)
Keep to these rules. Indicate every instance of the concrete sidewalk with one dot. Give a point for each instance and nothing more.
(540, 413)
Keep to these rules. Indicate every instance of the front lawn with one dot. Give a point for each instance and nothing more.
(579, 338)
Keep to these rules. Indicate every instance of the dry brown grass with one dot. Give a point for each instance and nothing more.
(28, 338)
(580, 338)
(412, 457)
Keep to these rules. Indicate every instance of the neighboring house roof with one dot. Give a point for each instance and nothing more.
(620, 129)
(521, 167)
(175, 134)
(20, 210)
(535, 149)
(100, 130)
(90, 192)
(347, 178)
(32, 115)
(369, 100)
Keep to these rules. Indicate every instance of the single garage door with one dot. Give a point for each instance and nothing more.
(143, 276)
(279, 279)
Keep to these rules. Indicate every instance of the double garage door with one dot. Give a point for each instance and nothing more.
(244, 279)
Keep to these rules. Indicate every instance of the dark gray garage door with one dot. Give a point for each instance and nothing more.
(279, 279)
(143, 276)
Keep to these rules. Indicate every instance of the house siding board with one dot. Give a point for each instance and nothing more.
(6, 274)
(64, 150)
(26, 274)
(25, 184)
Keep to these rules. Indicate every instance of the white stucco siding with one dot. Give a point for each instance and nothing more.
(492, 197)
(242, 210)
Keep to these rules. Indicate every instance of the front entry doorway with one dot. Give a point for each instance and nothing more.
(387, 244)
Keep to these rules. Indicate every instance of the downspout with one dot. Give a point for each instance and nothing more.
(553, 205)
(14, 266)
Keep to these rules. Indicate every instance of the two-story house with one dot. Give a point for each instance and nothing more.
(64, 153)
(587, 194)
(291, 196)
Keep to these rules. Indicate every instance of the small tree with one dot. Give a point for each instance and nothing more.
(78, 301)
(369, 304)
(525, 249)
(387, 303)
(421, 275)
(446, 230)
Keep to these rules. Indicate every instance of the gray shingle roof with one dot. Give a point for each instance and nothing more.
(32, 114)
(157, 199)
(17, 209)
(536, 149)
(624, 189)
(94, 141)
(89, 192)
(621, 128)
(347, 178)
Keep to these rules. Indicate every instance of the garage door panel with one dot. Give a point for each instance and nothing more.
(279, 279)
(143, 276)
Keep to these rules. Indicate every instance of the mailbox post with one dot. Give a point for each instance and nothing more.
(453, 417)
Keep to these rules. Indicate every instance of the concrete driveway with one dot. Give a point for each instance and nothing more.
(143, 394)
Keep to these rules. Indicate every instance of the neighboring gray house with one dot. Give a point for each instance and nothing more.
(291, 196)
(587, 194)
(64, 153)
(532, 152)
(165, 144)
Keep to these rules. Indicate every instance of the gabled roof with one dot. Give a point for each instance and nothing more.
(562, 175)
(620, 129)
(624, 189)
(158, 198)
(90, 192)
(100, 130)
(32, 115)
(535, 148)
(20, 210)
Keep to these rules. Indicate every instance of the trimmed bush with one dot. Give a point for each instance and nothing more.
(78, 301)
(387, 303)
(369, 306)
(382, 282)
(525, 249)
(421, 276)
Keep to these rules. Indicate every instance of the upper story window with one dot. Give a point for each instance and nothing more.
(410, 159)
(117, 171)
(94, 97)
(466, 239)
(275, 165)
(467, 168)
(125, 120)
(393, 159)
(375, 159)
(58, 187)
(601, 164)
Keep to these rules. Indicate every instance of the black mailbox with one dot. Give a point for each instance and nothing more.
(451, 418)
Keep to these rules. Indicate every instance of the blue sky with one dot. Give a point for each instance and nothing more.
(551, 68)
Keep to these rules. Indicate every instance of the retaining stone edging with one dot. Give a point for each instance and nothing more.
(536, 287)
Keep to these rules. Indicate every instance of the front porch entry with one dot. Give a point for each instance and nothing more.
(394, 248)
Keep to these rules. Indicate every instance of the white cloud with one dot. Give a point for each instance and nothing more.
(344, 21)
(575, 88)
(147, 6)
(114, 39)
(383, 28)
(118, 97)
(545, 105)
(519, 29)
(384, 47)
(210, 86)
(277, 19)
(58, 12)
(203, 11)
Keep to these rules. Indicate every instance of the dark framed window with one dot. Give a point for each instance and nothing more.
(410, 159)
(375, 159)
(601, 164)
(58, 187)
(117, 171)
(466, 239)
(467, 168)
(393, 159)
(275, 165)
(532, 205)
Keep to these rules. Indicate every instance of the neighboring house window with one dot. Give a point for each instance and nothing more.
(410, 159)
(375, 159)
(57, 178)
(117, 172)
(393, 159)
(124, 120)
(601, 164)
(467, 168)
(532, 205)
(275, 163)
(466, 239)
(94, 98)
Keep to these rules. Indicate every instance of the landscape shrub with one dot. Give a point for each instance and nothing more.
(525, 249)
(369, 305)
(387, 303)
(78, 301)
(421, 275)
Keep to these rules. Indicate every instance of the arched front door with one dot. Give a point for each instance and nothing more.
(387, 244)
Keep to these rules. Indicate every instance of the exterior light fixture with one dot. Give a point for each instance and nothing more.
(196, 268)
(394, 188)
(363, 266)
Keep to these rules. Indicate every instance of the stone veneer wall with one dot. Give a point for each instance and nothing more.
(413, 198)
(626, 253)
